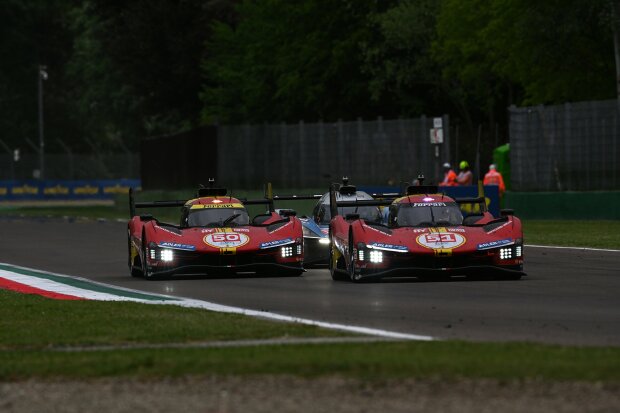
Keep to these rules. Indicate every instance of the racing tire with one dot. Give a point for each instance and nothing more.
(145, 271)
(334, 267)
(354, 277)
(134, 270)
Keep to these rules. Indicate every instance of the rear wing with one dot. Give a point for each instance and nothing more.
(133, 205)
(472, 205)
(334, 203)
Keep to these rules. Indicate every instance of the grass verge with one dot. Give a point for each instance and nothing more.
(593, 234)
(31, 326)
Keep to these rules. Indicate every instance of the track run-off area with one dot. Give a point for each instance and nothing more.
(570, 295)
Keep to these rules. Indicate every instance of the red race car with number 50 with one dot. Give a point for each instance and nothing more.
(214, 236)
(426, 236)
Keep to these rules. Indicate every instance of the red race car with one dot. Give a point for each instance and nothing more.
(426, 235)
(215, 236)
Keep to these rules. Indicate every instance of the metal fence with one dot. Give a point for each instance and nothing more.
(570, 147)
(71, 167)
(306, 155)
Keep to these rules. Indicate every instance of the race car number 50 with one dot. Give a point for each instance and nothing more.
(226, 239)
(441, 240)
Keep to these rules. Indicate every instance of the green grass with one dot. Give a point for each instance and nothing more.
(593, 234)
(31, 326)
(35, 322)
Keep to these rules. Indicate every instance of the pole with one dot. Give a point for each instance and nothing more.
(42, 77)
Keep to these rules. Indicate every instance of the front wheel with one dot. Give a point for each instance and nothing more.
(334, 266)
(136, 271)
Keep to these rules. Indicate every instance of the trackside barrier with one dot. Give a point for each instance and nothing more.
(491, 194)
(565, 205)
(32, 190)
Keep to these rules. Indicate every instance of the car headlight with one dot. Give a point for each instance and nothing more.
(324, 240)
(505, 253)
(167, 255)
(286, 251)
(376, 257)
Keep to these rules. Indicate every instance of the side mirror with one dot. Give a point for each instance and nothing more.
(506, 212)
(287, 212)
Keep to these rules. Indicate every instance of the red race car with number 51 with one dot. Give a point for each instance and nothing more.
(215, 236)
(426, 236)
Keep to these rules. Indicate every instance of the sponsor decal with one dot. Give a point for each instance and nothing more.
(419, 230)
(494, 244)
(210, 206)
(86, 190)
(116, 189)
(376, 230)
(426, 204)
(25, 190)
(455, 230)
(177, 246)
(167, 230)
(498, 228)
(241, 230)
(441, 240)
(207, 231)
(56, 190)
(226, 239)
(275, 243)
(325, 231)
(388, 247)
(279, 228)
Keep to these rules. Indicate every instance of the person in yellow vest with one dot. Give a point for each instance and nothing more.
(465, 177)
(493, 177)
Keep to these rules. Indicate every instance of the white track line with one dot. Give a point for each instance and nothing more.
(193, 303)
(570, 248)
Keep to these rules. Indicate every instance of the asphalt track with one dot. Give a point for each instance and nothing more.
(570, 296)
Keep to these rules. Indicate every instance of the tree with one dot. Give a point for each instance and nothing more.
(288, 61)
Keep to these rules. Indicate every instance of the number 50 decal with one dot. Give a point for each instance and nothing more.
(440, 240)
(226, 239)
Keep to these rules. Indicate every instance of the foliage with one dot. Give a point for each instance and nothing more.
(119, 71)
(288, 61)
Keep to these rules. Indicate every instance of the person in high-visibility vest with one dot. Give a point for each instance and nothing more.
(495, 178)
(449, 176)
(465, 177)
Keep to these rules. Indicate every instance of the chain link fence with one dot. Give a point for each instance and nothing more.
(570, 147)
(306, 155)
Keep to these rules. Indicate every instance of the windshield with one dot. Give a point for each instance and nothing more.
(217, 217)
(426, 215)
(368, 213)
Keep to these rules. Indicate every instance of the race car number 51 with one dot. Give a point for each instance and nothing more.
(441, 240)
(226, 239)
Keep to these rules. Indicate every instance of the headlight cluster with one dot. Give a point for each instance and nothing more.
(291, 250)
(376, 256)
(161, 254)
(508, 253)
(505, 253)
(373, 256)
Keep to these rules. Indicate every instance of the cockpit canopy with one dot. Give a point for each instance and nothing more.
(425, 214)
(208, 216)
